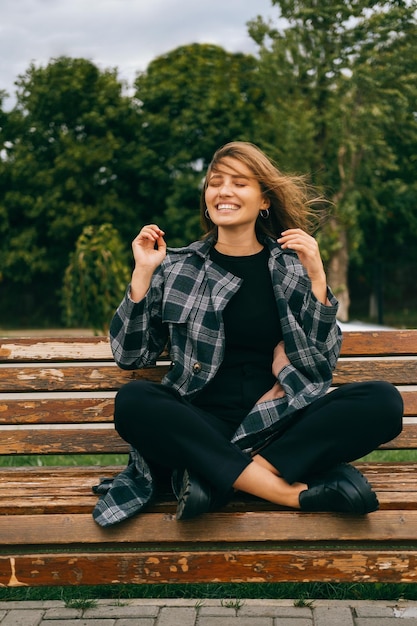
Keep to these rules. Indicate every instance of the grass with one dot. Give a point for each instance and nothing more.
(230, 594)
(68, 460)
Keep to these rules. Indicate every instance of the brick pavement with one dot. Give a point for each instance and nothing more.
(210, 613)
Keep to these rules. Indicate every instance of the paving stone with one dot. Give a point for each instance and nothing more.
(117, 611)
(217, 610)
(373, 610)
(21, 617)
(62, 612)
(330, 616)
(173, 616)
(271, 610)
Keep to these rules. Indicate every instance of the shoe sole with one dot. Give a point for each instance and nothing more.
(184, 509)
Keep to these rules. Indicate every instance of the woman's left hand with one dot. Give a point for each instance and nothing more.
(279, 361)
(308, 252)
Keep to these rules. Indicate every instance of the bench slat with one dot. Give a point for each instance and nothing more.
(62, 377)
(57, 411)
(249, 527)
(73, 378)
(206, 566)
(69, 490)
(61, 441)
(374, 343)
(398, 372)
(28, 349)
(106, 441)
(110, 377)
(92, 409)
(82, 501)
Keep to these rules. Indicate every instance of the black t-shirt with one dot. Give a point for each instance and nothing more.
(252, 330)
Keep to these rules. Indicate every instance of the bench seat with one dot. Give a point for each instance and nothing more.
(56, 398)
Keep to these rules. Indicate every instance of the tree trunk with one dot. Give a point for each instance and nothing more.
(337, 273)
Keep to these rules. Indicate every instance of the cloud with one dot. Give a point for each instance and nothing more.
(126, 34)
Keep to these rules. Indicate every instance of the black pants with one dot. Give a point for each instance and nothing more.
(341, 426)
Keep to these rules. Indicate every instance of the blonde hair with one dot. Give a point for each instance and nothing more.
(290, 197)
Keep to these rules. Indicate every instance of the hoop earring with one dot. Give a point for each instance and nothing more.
(206, 213)
(264, 213)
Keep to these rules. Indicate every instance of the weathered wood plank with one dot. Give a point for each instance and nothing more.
(90, 440)
(398, 372)
(206, 566)
(215, 528)
(110, 377)
(56, 411)
(73, 378)
(29, 349)
(61, 441)
(95, 410)
(50, 501)
(374, 343)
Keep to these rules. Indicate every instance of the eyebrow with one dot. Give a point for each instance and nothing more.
(219, 174)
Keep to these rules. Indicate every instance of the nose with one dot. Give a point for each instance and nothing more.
(224, 189)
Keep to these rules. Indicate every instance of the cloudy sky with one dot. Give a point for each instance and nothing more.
(126, 34)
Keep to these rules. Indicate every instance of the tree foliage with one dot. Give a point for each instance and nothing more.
(341, 85)
(65, 162)
(95, 279)
(332, 94)
(192, 100)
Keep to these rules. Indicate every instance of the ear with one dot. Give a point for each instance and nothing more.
(266, 203)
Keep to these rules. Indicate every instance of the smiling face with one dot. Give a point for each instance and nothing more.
(233, 195)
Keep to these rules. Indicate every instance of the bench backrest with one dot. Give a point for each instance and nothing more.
(57, 394)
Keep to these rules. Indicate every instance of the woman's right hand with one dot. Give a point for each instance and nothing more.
(149, 248)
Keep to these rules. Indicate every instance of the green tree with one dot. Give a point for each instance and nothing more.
(341, 83)
(95, 278)
(70, 160)
(192, 100)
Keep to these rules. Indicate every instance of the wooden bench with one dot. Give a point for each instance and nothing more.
(57, 398)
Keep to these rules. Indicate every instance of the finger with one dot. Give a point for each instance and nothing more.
(151, 232)
(160, 242)
(152, 228)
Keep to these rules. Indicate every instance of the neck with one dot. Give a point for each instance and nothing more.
(233, 248)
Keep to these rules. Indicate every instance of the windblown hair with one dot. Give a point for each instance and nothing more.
(290, 197)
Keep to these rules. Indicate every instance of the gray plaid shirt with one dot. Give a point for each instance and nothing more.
(183, 309)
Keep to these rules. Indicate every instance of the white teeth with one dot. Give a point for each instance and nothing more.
(232, 207)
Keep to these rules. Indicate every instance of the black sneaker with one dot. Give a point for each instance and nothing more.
(342, 489)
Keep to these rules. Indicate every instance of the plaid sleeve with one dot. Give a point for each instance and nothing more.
(137, 334)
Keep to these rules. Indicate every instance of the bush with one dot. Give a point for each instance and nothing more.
(95, 279)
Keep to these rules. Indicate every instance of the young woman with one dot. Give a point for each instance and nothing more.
(251, 328)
